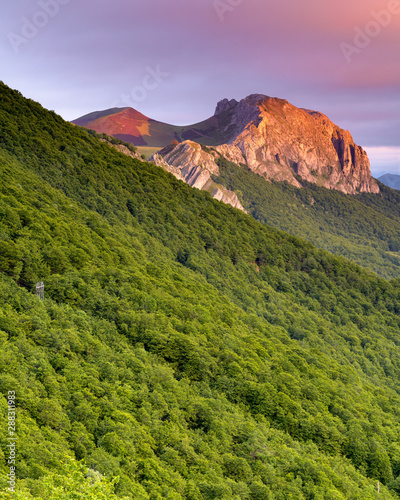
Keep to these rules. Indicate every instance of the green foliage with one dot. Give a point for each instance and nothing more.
(364, 228)
(113, 140)
(182, 346)
(73, 482)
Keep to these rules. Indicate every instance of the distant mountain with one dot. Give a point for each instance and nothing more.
(269, 135)
(132, 126)
(391, 180)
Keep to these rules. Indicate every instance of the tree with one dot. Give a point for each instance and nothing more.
(74, 482)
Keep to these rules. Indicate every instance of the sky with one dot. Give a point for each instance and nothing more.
(173, 60)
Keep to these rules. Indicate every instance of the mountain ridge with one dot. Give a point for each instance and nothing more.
(269, 135)
(390, 180)
(326, 219)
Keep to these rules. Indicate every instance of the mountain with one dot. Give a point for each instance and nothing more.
(363, 228)
(181, 345)
(270, 136)
(127, 124)
(134, 127)
(390, 180)
(189, 162)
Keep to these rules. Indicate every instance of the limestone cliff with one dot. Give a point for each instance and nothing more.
(270, 136)
(279, 141)
(190, 162)
(284, 141)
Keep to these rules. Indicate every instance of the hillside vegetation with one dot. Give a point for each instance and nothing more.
(364, 228)
(182, 346)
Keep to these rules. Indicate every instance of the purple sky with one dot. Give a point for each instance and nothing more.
(174, 59)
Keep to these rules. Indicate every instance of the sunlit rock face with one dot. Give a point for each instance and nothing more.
(270, 136)
(193, 164)
(279, 141)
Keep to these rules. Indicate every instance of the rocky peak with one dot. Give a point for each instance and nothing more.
(225, 105)
(256, 99)
(280, 141)
(269, 135)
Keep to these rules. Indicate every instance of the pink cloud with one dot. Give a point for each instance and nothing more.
(97, 50)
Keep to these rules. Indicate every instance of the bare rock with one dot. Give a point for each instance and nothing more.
(279, 141)
(195, 164)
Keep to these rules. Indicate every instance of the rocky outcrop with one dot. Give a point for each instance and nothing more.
(158, 160)
(122, 149)
(281, 142)
(193, 164)
(268, 135)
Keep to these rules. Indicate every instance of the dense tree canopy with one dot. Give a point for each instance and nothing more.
(364, 228)
(182, 346)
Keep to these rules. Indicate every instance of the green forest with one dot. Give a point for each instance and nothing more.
(364, 228)
(183, 350)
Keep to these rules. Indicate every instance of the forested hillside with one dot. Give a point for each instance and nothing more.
(364, 227)
(182, 346)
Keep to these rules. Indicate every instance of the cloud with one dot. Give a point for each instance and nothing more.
(94, 51)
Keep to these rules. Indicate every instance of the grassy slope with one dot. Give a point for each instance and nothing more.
(161, 134)
(147, 151)
(182, 345)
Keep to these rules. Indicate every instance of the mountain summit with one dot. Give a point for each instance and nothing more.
(268, 135)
